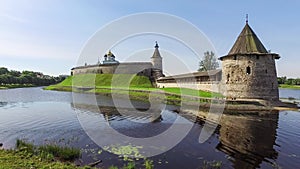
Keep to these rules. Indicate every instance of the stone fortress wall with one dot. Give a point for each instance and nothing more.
(153, 69)
(248, 71)
(117, 68)
(250, 76)
(204, 86)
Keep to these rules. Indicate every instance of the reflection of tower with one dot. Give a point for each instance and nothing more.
(248, 139)
(249, 70)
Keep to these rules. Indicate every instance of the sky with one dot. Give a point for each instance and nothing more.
(48, 35)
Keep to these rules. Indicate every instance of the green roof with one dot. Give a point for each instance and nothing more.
(247, 43)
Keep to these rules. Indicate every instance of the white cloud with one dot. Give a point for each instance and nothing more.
(28, 50)
(13, 18)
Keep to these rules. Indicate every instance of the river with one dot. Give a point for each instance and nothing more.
(252, 140)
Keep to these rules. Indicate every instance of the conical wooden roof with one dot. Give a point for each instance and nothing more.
(247, 43)
(156, 53)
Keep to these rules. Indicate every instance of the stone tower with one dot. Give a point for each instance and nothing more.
(156, 59)
(249, 71)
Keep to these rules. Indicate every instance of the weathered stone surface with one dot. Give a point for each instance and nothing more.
(249, 71)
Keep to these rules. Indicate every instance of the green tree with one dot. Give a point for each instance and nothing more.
(3, 70)
(281, 80)
(15, 73)
(209, 62)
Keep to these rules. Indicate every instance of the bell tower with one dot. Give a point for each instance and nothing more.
(156, 59)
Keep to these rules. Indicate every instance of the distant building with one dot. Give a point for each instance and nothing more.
(110, 65)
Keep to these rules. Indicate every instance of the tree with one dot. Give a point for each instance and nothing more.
(209, 62)
(15, 73)
(281, 80)
(3, 70)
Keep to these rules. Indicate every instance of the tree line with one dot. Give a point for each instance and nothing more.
(8, 77)
(288, 81)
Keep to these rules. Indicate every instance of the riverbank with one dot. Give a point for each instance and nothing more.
(26, 155)
(185, 98)
(102, 83)
(285, 86)
(12, 86)
(140, 88)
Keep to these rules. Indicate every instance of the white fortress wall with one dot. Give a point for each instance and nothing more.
(205, 86)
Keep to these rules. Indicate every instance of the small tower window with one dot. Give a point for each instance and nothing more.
(234, 57)
(248, 70)
(228, 76)
(257, 57)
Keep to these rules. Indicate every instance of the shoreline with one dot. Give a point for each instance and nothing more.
(14, 86)
(177, 99)
(284, 86)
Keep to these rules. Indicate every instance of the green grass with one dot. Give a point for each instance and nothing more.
(139, 88)
(62, 153)
(49, 152)
(11, 159)
(191, 92)
(289, 86)
(27, 156)
(106, 80)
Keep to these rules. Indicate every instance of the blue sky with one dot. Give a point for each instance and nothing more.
(48, 35)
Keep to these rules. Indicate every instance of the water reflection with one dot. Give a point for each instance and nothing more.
(3, 104)
(241, 141)
(130, 122)
(249, 139)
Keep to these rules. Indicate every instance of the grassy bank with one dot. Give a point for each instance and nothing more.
(139, 86)
(11, 86)
(106, 80)
(285, 86)
(26, 155)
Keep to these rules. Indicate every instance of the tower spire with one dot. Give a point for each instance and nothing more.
(247, 18)
(156, 45)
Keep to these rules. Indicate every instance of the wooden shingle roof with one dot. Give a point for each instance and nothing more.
(247, 43)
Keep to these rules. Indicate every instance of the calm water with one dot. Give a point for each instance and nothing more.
(257, 140)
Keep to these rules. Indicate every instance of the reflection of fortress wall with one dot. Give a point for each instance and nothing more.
(249, 139)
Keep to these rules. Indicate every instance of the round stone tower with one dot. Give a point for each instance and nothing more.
(156, 59)
(249, 71)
